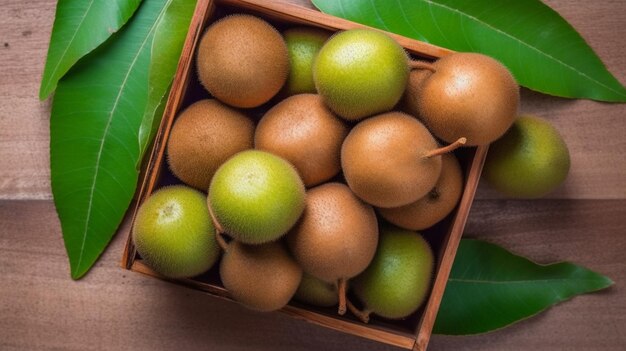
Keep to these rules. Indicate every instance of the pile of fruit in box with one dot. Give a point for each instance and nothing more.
(325, 193)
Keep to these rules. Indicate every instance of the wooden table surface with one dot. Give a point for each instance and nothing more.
(42, 308)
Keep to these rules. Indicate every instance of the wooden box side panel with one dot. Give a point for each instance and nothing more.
(298, 14)
(347, 326)
(450, 247)
(179, 86)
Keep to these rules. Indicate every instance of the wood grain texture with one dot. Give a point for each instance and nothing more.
(594, 131)
(24, 120)
(41, 308)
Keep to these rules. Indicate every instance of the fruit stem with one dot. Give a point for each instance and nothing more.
(220, 240)
(364, 315)
(218, 229)
(341, 291)
(422, 65)
(444, 150)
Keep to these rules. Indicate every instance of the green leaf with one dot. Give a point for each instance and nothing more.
(169, 38)
(490, 288)
(542, 50)
(94, 131)
(79, 27)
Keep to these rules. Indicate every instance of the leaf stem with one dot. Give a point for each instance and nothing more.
(219, 230)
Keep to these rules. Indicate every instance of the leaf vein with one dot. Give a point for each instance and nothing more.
(82, 20)
(380, 19)
(106, 131)
(503, 282)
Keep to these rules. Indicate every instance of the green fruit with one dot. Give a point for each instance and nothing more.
(303, 44)
(317, 292)
(398, 280)
(261, 277)
(256, 196)
(529, 161)
(174, 234)
(360, 73)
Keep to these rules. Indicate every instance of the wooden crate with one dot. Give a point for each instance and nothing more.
(410, 333)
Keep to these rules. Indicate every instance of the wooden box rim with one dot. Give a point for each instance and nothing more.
(293, 13)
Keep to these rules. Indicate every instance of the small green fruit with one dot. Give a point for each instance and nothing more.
(303, 44)
(360, 73)
(256, 196)
(529, 161)
(174, 234)
(317, 292)
(398, 280)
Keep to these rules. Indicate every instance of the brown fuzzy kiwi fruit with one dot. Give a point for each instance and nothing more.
(392, 160)
(242, 61)
(302, 130)
(336, 237)
(261, 277)
(417, 77)
(436, 205)
(467, 95)
(205, 135)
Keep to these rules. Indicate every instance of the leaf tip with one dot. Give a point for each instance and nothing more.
(78, 272)
(608, 282)
(44, 92)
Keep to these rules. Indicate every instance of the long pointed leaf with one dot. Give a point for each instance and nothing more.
(490, 288)
(169, 38)
(542, 50)
(96, 115)
(79, 27)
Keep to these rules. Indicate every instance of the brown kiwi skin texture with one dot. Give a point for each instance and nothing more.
(203, 136)
(383, 160)
(409, 100)
(302, 130)
(436, 205)
(261, 277)
(242, 61)
(336, 236)
(469, 95)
